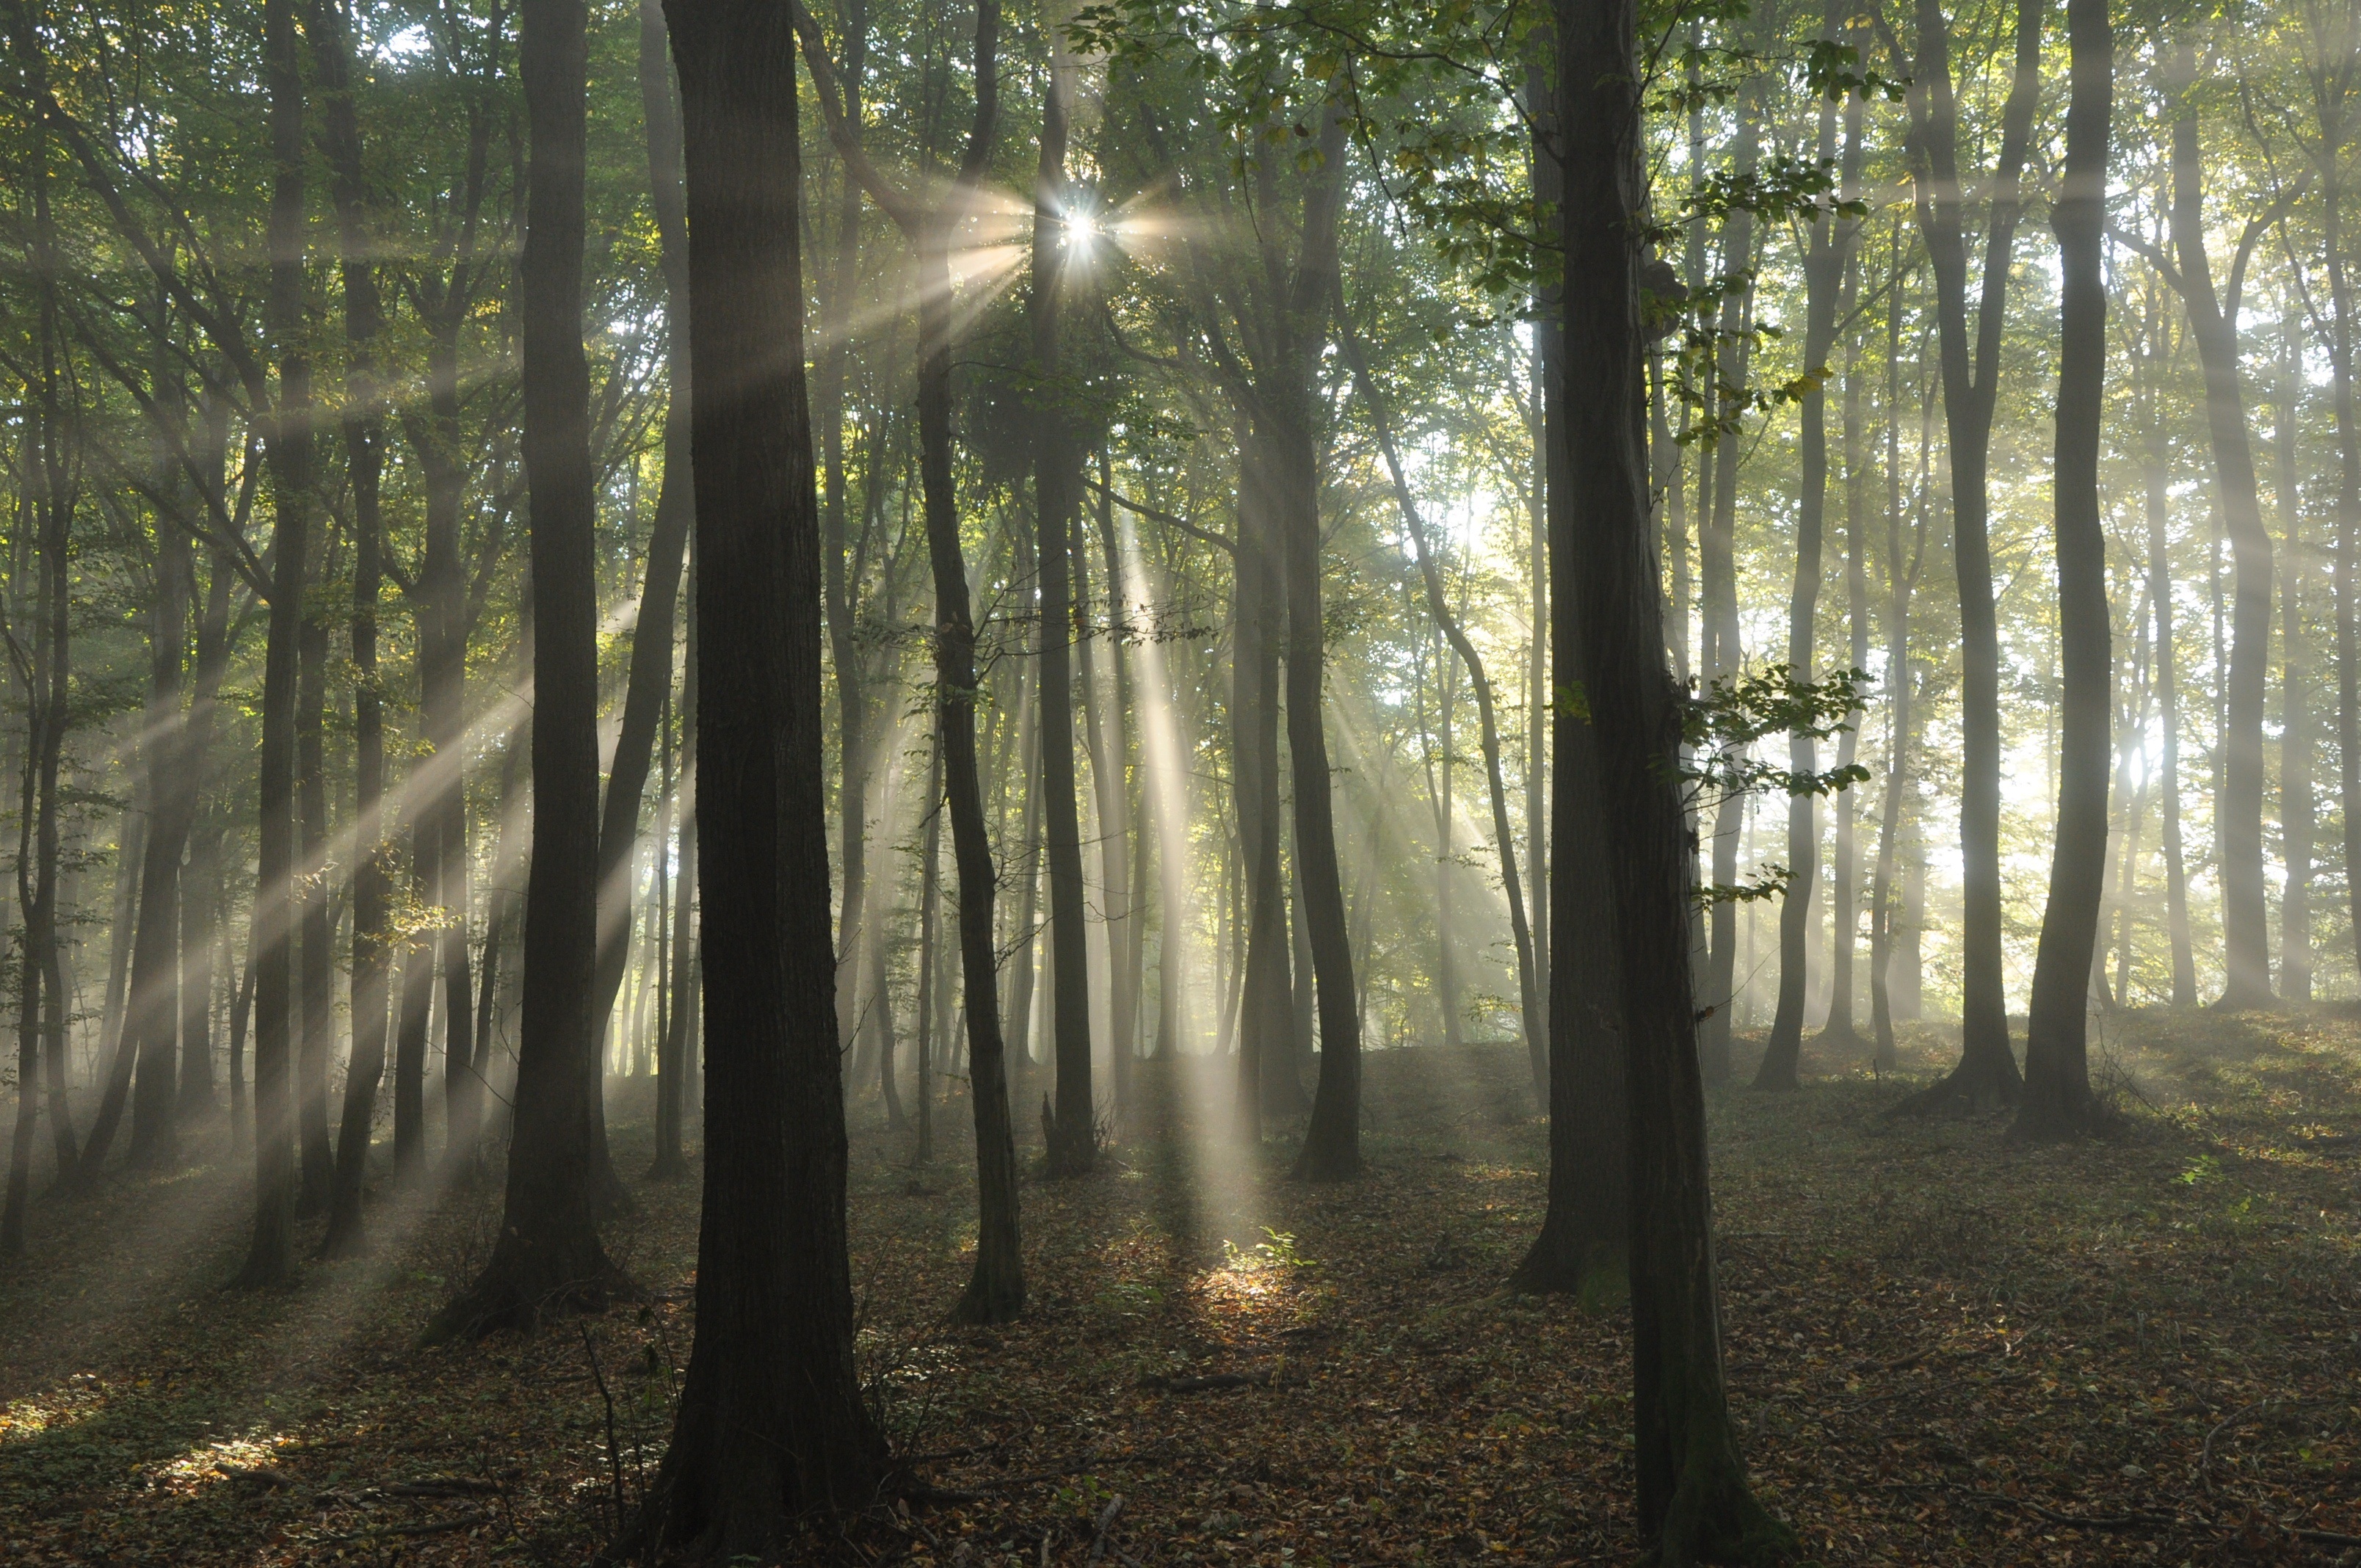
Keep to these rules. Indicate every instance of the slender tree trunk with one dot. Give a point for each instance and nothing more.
(1073, 1144)
(2057, 1100)
(2245, 914)
(1987, 1071)
(2348, 543)
(1825, 266)
(372, 874)
(2297, 826)
(1693, 1502)
(1529, 984)
(672, 1065)
(931, 856)
(152, 1018)
(1844, 885)
(270, 1259)
(204, 909)
(316, 973)
(548, 1255)
(1266, 1025)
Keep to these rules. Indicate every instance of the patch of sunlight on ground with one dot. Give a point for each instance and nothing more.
(210, 1463)
(81, 1396)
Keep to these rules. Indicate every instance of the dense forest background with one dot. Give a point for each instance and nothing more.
(1144, 463)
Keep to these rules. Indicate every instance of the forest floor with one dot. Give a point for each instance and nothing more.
(1942, 1348)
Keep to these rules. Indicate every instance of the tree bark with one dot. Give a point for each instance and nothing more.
(364, 438)
(1825, 262)
(2214, 323)
(2297, 824)
(548, 1255)
(1987, 1070)
(271, 1259)
(772, 1423)
(1692, 1503)
(2057, 1101)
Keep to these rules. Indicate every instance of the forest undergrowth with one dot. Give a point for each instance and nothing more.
(1942, 1348)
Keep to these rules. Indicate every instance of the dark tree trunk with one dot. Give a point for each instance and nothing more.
(1987, 1071)
(1266, 1024)
(672, 1064)
(772, 1423)
(316, 964)
(930, 858)
(364, 438)
(270, 1259)
(152, 1016)
(204, 909)
(1825, 261)
(1073, 1133)
(415, 1004)
(648, 678)
(2245, 909)
(548, 1255)
(2057, 1100)
(1900, 582)
(1693, 1502)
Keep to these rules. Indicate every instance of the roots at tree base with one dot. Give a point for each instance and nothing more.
(517, 1292)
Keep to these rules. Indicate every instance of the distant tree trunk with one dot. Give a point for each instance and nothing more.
(2297, 824)
(241, 1008)
(1720, 656)
(204, 908)
(1692, 1500)
(1530, 1014)
(1844, 885)
(1900, 582)
(271, 1259)
(1111, 782)
(152, 1018)
(2159, 587)
(672, 1065)
(2348, 531)
(548, 1255)
(415, 1004)
(1825, 266)
(931, 856)
(1987, 1070)
(364, 438)
(1265, 1025)
(772, 1423)
(316, 971)
(2057, 1100)
(2213, 324)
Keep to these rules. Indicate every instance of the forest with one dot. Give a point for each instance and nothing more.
(1179, 782)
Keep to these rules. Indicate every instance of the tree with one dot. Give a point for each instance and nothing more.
(1693, 1500)
(1987, 1071)
(772, 1423)
(2057, 1099)
(548, 1255)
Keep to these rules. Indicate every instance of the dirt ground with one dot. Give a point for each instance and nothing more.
(1942, 1348)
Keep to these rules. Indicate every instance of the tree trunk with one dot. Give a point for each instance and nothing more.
(1987, 1071)
(152, 1018)
(372, 877)
(317, 965)
(204, 907)
(548, 1255)
(1073, 1143)
(931, 856)
(1844, 883)
(1825, 266)
(2297, 826)
(271, 1259)
(1692, 1498)
(672, 1050)
(1583, 1247)
(2245, 911)
(772, 1423)
(2158, 472)
(1266, 1024)
(2057, 1100)
(2348, 543)
(1504, 838)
